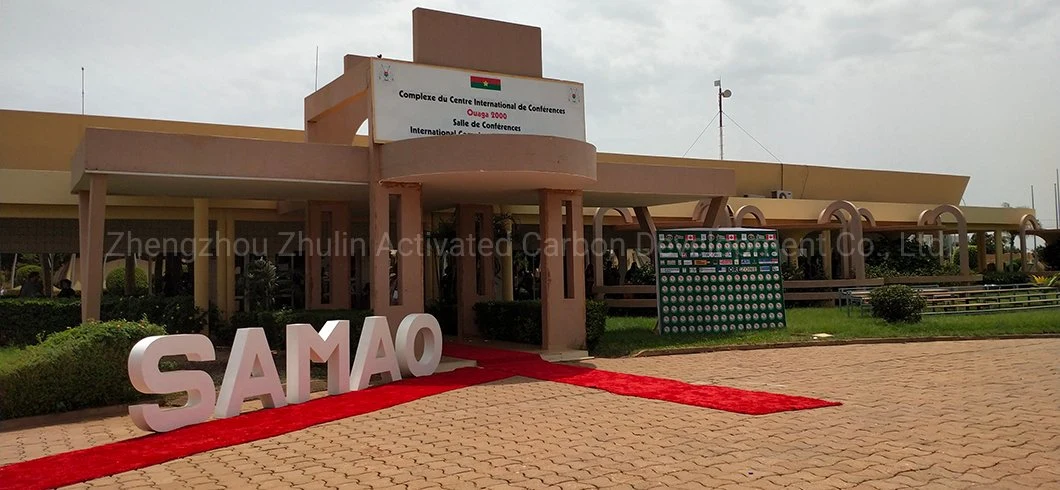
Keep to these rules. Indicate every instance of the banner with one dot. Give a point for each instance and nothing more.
(415, 101)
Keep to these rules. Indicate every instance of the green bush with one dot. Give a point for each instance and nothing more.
(27, 321)
(177, 314)
(275, 323)
(897, 303)
(1016, 277)
(82, 367)
(115, 282)
(24, 271)
(520, 321)
(595, 322)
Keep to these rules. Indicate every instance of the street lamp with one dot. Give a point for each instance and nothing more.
(722, 94)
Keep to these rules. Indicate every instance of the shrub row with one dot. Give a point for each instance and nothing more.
(28, 321)
(81, 367)
(897, 303)
(275, 323)
(520, 321)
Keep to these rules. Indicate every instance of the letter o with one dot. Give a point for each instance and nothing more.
(410, 327)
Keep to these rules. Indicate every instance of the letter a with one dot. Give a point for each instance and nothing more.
(251, 373)
(375, 354)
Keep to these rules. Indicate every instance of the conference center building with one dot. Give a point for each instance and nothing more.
(467, 141)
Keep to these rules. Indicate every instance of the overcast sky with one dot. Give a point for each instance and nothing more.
(970, 87)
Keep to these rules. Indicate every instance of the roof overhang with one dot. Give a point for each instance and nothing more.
(142, 163)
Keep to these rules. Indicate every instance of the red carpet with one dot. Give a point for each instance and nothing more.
(716, 397)
(496, 364)
(99, 461)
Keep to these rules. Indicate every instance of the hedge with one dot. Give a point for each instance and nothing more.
(275, 323)
(115, 282)
(994, 277)
(82, 367)
(897, 303)
(27, 321)
(520, 321)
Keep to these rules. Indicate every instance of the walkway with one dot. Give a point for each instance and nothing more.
(955, 414)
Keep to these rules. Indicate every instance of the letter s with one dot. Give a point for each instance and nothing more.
(147, 378)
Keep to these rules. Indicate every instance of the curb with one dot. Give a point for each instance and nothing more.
(829, 343)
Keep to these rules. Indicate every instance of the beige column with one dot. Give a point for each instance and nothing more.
(999, 249)
(313, 247)
(980, 245)
(340, 249)
(474, 272)
(224, 296)
(507, 267)
(562, 292)
(201, 235)
(92, 213)
(430, 264)
(826, 253)
(408, 244)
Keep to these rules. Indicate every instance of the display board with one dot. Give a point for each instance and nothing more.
(718, 280)
(414, 101)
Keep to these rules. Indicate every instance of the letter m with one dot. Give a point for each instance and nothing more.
(304, 345)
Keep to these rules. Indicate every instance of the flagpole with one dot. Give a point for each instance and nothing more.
(82, 90)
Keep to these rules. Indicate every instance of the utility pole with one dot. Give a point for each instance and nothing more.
(722, 94)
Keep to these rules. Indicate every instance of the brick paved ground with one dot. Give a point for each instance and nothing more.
(931, 415)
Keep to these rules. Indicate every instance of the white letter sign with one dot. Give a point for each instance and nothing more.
(304, 345)
(146, 378)
(375, 354)
(251, 372)
(410, 327)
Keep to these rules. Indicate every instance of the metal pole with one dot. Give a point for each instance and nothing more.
(82, 90)
(316, 70)
(721, 127)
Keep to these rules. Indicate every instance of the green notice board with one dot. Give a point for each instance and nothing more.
(718, 280)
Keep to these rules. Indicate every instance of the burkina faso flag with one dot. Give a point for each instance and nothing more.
(486, 83)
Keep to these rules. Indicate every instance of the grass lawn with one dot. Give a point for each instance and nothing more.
(627, 335)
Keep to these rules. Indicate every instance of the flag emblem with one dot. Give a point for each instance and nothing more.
(485, 83)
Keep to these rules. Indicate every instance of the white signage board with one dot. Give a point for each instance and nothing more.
(415, 101)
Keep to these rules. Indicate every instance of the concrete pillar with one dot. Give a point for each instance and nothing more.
(313, 249)
(980, 245)
(409, 247)
(333, 244)
(562, 291)
(826, 253)
(999, 249)
(430, 265)
(92, 213)
(201, 264)
(474, 273)
(340, 248)
(507, 267)
(224, 296)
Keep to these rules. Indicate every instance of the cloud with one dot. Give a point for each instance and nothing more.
(959, 86)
